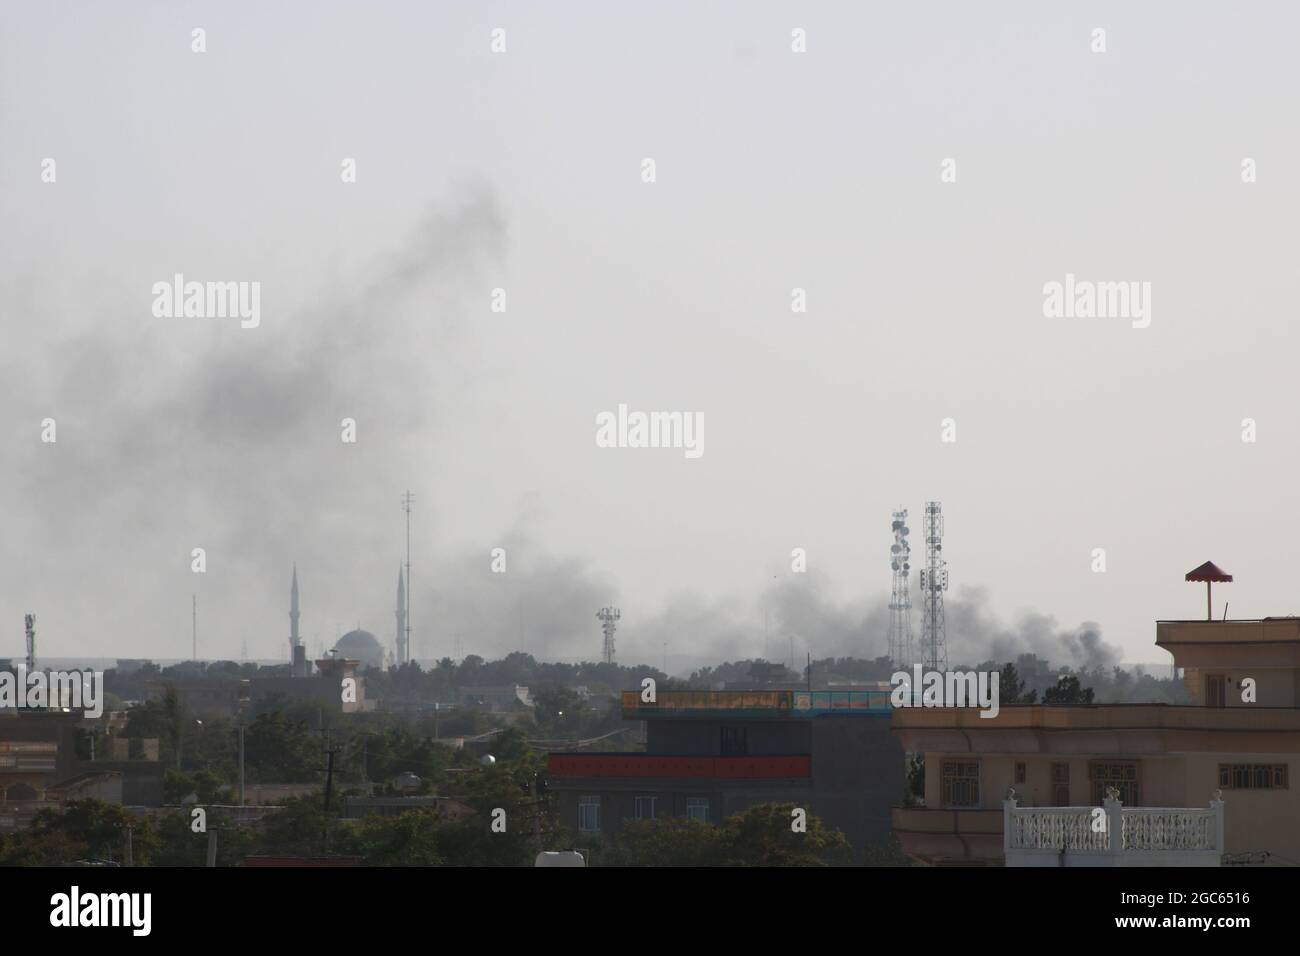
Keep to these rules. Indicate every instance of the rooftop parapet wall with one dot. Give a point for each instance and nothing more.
(1101, 717)
(1269, 630)
(620, 765)
(764, 705)
(1272, 642)
(1134, 729)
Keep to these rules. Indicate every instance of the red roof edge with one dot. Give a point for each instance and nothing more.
(1209, 571)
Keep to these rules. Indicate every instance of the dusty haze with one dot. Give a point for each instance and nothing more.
(522, 171)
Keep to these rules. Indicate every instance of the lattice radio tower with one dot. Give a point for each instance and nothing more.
(934, 581)
(900, 598)
(608, 617)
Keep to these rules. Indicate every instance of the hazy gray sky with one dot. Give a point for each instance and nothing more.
(522, 170)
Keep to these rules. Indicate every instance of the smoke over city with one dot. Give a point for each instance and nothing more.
(195, 433)
(236, 449)
(545, 605)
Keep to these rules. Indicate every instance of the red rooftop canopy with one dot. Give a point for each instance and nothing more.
(1209, 571)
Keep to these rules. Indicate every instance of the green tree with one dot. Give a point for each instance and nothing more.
(914, 786)
(529, 821)
(1068, 691)
(886, 854)
(175, 718)
(558, 711)
(179, 845)
(760, 836)
(409, 839)
(670, 841)
(33, 847)
(1011, 689)
(511, 745)
(87, 828)
(278, 749)
(300, 828)
(763, 836)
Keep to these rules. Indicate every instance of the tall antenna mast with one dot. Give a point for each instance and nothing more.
(608, 617)
(934, 581)
(29, 628)
(407, 498)
(194, 627)
(900, 599)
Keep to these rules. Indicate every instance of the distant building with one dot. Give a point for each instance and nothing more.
(20, 803)
(225, 697)
(710, 754)
(495, 699)
(450, 808)
(1165, 764)
(37, 747)
(334, 671)
(361, 646)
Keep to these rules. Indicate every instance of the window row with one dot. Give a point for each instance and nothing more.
(644, 808)
(961, 780)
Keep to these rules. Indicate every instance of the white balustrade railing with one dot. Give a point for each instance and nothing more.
(1112, 829)
(1149, 828)
(1055, 828)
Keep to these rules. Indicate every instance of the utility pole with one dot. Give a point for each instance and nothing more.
(329, 752)
(242, 705)
(407, 499)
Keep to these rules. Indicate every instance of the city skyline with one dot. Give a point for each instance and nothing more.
(923, 284)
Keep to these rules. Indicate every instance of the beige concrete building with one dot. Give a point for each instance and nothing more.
(1241, 736)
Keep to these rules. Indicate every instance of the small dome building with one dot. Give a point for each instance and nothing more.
(362, 646)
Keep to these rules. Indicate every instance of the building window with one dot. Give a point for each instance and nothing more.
(697, 808)
(1020, 771)
(1216, 691)
(961, 783)
(645, 808)
(1252, 776)
(735, 742)
(1060, 784)
(1120, 774)
(589, 814)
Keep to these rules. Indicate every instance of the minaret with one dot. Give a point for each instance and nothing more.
(293, 613)
(401, 619)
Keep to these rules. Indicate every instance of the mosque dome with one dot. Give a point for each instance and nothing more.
(362, 646)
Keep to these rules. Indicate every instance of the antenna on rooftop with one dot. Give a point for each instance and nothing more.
(900, 599)
(934, 581)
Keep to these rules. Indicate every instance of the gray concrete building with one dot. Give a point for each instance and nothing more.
(710, 754)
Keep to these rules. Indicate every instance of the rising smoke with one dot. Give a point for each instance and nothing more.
(182, 433)
(547, 609)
